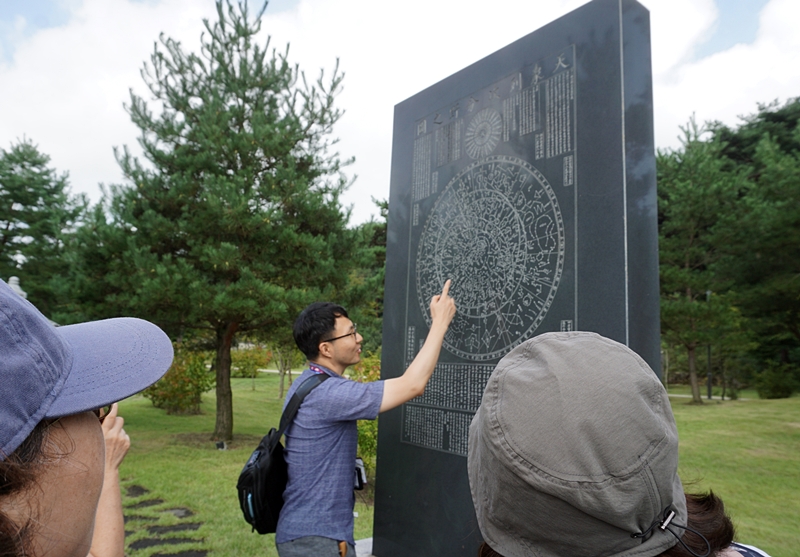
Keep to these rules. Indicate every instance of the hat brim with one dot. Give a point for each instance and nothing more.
(112, 359)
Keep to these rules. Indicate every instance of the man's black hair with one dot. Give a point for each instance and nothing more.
(314, 324)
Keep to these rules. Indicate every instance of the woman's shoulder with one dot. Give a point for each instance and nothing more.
(744, 550)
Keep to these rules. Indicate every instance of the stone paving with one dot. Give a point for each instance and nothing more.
(147, 526)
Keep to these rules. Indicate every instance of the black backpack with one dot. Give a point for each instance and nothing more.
(263, 479)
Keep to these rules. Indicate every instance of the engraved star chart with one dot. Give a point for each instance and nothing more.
(498, 233)
(483, 133)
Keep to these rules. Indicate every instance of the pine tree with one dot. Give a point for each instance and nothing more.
(694, 191)
(761, 247)
(37, 214)
(236, 222)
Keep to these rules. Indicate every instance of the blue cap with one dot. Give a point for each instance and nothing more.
(49, 372)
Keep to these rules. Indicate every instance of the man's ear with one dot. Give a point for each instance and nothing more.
(324, 349)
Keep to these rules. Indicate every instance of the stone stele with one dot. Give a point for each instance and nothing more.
(528, 178)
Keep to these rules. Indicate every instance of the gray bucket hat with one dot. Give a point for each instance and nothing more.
(573, 451)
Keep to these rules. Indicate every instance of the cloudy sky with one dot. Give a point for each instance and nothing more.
(66, 66)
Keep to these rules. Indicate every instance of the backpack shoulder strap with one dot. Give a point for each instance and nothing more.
(294, 403)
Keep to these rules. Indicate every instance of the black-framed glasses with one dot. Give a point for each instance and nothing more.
(353, 332)
(102, 412)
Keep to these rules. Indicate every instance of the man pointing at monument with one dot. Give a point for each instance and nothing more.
(317, 516)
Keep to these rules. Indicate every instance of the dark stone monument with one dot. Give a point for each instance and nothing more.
(528, 178)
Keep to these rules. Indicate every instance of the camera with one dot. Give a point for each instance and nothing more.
(361, 475)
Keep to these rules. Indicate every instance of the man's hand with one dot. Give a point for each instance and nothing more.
(443, 307)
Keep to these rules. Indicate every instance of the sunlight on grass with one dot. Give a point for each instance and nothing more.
(747, 451)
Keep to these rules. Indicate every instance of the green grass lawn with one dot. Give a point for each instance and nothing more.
(746, 451)
(175, 460)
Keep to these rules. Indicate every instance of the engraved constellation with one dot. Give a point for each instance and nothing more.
(497, 231)
(483, 133)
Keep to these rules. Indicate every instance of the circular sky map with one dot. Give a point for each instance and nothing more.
(498, 233)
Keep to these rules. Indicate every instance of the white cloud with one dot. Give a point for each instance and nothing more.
(66, 85)
(730, 83)
(676, 28)
(11, 32)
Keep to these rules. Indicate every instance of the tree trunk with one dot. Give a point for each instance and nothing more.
(284, 357)
(281, 372)
(696, 398)
(223, 428)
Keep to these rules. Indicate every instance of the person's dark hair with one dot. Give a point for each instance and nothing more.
(17, 473)
(706, 514)
(485, 551)
(314, 324)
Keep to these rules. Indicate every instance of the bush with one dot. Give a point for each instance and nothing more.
(367, 370)
(775, 381)
(178, 392)
(245, 362)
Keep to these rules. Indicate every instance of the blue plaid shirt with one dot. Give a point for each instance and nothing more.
(320, 451)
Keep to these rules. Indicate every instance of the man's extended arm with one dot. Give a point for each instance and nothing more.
(412, 383)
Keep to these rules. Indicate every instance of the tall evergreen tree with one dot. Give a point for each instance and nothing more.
(37, 213)
(694, 190)
(761, 245)
(772, 119)
(236, 222)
